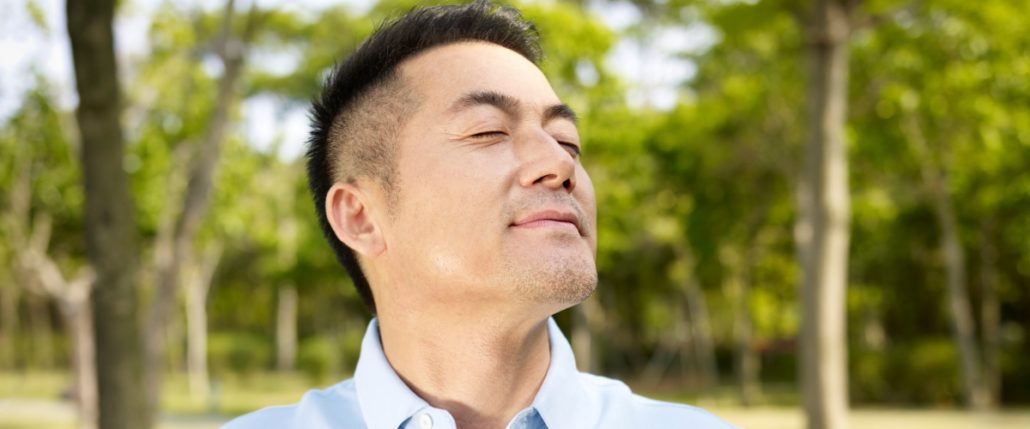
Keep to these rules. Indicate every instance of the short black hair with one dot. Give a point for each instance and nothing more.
(367, 75)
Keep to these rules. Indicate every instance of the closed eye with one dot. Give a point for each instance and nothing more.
(487, 134)
(573, 149)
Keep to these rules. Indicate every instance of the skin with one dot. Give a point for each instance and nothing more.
(490, 231)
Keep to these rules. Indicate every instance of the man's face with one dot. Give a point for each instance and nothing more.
(492, 204)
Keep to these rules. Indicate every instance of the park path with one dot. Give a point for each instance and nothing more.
(22, 413)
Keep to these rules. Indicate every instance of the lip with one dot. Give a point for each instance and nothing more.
(545, 217)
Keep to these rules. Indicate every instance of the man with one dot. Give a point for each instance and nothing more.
(447, 178)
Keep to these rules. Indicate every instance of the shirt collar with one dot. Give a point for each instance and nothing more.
(562, 401)
(384, 399)
(386, 402)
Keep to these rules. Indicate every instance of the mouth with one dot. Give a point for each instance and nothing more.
(550, 219)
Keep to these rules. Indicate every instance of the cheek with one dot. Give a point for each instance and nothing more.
(584, 194)
(445, 222)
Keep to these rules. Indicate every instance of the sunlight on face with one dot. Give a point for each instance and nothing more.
(493, 203)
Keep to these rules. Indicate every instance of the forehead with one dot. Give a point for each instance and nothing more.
(446, 73)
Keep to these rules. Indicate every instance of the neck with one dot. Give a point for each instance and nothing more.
(482, 371)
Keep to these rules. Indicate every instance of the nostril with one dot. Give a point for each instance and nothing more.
(567, 184)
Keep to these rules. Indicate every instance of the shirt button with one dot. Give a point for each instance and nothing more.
(425, 421)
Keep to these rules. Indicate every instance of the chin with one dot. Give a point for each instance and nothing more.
(561, 282)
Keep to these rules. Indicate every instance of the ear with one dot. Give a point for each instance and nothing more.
(348, 210)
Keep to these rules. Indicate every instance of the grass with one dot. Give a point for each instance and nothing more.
(235, 395)
(33, 384)
(779, 395)
(32, 400)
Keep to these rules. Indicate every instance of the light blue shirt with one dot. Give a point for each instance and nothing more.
(376, 398)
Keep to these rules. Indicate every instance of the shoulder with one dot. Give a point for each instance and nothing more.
(336, 406)
(621, 404)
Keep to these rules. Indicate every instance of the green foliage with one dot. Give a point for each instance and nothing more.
(238, 352)
(703, 192)
(315, 44)
(40, 156)
(35, 140)
(923, 372)
(319, 359)
(866, 371)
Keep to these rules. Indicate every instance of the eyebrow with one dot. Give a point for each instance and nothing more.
(561, 111)
(510, 105)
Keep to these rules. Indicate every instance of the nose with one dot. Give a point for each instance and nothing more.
(546, 162)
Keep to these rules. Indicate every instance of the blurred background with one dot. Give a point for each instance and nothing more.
(695, 116)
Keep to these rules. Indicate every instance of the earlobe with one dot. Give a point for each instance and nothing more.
(347, 208)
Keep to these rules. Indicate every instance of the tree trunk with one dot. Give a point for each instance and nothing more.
(958, 299)
(286, 311)
(990, 315)
(176, 333)
(8, 325)
(15, 224)
(699, 326)
(110, 225)
(37, 271)
(41, 274)
(822, 227)
(704, 351)
(585, 317)
(79, 324)
(936, 184)
(670, 343)
(959, 302)
(42, 332)
(194, 205)
(286, 329)
(746, 362)
(197, 287)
